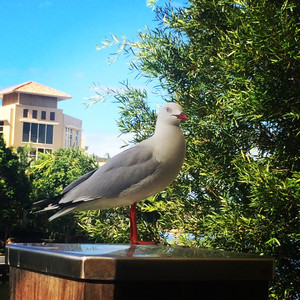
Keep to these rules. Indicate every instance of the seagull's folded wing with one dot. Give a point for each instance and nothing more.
(119, 174)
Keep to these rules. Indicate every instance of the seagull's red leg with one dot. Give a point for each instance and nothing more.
(133, 229)
(134, 237)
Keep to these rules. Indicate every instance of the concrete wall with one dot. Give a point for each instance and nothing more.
(10, 99)
(38, 100)
(7, 115)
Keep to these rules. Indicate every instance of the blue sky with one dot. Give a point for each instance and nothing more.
(53, 42)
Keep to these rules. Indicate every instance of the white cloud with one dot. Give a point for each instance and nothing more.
(78, 74)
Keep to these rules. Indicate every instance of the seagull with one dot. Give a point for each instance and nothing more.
(131, 176)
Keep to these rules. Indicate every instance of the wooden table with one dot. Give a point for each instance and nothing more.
(113, 272)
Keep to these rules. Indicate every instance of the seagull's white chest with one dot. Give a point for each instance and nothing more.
(170, 150)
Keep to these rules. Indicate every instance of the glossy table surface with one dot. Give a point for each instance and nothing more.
(138, 262)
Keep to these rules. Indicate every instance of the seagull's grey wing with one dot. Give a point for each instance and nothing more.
(78, 181)
(127, 169)
(119, 173)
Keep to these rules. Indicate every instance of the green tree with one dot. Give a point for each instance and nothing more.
(234, 67)
(49, 175)
(14, 191)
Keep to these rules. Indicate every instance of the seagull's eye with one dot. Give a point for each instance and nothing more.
(168, 109)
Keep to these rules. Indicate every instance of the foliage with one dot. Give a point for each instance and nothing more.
(112, 225)
(14, 190)
(49, 175)
(24, 154)
(234, 67)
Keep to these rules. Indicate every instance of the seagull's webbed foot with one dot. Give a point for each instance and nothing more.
(139, 242)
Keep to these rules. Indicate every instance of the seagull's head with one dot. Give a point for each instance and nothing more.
(172, 114)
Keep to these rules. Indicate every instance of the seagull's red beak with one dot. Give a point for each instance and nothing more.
(182, 116)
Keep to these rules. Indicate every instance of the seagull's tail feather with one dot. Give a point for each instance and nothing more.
(47, 204)
(50, 204)
(62, 212)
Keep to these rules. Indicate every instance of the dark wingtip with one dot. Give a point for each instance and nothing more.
(41, 204)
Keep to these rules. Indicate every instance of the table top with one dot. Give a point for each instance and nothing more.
(138, 262)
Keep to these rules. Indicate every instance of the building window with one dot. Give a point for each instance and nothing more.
(37, 133)
(71, 137)
(76, 143)
(49, 134)
(34, 153)
(52, 116)
(68, 137)
(1, 127)
(42, 133)
(25, 113)
(34, 132)
(42, 150)
(26, 132)
(34, 114)
(43, 115)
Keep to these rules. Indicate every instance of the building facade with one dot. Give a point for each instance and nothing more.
(29, 115)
